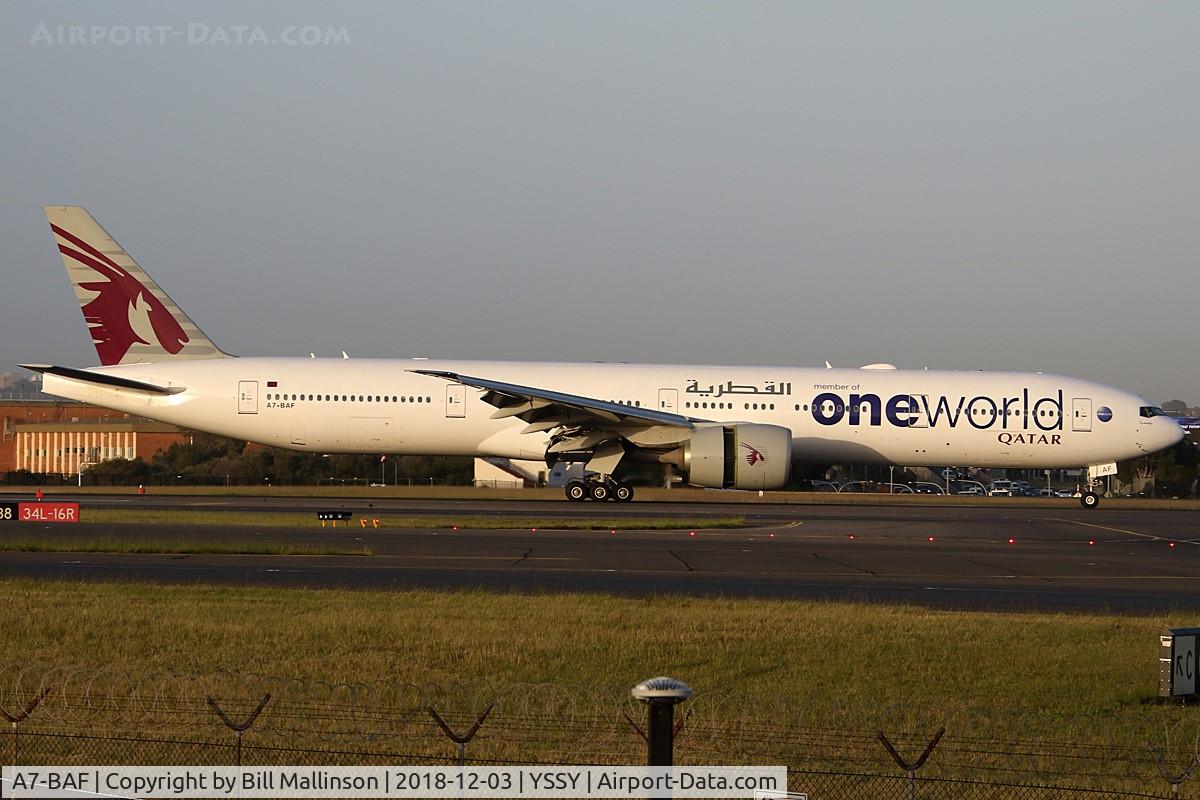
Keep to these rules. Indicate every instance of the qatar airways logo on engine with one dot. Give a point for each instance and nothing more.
(1025, 411)
(753, 454)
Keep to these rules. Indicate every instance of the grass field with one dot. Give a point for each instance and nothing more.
(170, 546)
(840, 663)
(265, 519)
(1051, 697)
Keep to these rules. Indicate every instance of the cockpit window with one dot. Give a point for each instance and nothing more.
(1152, 411)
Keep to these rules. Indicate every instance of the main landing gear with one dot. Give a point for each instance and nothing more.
(1089, 500)
(599, 488)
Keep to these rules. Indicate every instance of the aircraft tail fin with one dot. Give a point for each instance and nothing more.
(130, 318)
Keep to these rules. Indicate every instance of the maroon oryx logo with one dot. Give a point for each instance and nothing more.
(754, 455)
(118, 314)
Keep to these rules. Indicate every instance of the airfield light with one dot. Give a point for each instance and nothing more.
(533, 530)
(1012, 540)
(661, 695)
(1171, 545)
(1177, 662)
(691, 533)
(931, 538)
(852, 537)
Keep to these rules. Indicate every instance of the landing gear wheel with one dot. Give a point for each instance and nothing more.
(600, 492)
(577, 491)
(623, 493)
(1089, 500)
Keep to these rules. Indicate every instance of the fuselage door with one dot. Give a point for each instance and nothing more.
(456, 401)
(1081, 414)
(247, 397)
(919, 403)
(668, 400)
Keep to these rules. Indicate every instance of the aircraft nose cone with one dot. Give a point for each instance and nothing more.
(1176, 434)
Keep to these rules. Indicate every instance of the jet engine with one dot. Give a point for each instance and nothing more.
(739, 456)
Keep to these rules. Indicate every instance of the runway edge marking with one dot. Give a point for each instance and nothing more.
(1149, 536)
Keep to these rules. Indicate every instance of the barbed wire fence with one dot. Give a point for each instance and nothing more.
(90, 715)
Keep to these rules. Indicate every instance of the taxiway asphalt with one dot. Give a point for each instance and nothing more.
(1058, 557)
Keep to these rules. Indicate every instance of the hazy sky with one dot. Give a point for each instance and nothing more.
(961, 185)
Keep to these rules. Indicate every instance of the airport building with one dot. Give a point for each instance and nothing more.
(59, 437)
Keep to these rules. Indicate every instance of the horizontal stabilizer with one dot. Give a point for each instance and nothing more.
(101, 379)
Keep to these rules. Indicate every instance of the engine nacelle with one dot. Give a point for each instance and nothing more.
(739, 456)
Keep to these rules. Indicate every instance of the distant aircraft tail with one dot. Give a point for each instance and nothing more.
(130, 318)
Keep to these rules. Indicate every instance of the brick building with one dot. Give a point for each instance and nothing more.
(58, 436)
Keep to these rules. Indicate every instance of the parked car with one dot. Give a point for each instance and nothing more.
(823, 486)
(896, 488)
(972, 490)
(923, 487)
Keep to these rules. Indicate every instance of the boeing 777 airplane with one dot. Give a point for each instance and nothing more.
(719, 426)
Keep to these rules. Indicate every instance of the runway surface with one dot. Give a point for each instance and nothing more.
(1059, 557)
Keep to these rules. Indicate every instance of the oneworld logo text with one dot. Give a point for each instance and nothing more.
(1023, 412)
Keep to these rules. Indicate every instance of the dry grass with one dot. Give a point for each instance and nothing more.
(840, 662)
(773, 678)
(147, 545)
(264, 519)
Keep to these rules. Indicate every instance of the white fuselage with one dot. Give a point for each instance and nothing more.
(906, 417)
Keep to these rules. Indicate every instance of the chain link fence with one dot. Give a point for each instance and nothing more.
(90, 716)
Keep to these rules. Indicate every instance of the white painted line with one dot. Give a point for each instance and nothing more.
(1149, 536)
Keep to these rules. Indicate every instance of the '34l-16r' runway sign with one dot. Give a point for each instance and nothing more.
(39, 512)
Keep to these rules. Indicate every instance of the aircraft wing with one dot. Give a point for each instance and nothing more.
(531, 404)
(584, 425)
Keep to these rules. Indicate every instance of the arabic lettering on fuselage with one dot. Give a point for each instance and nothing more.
(729, 387)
